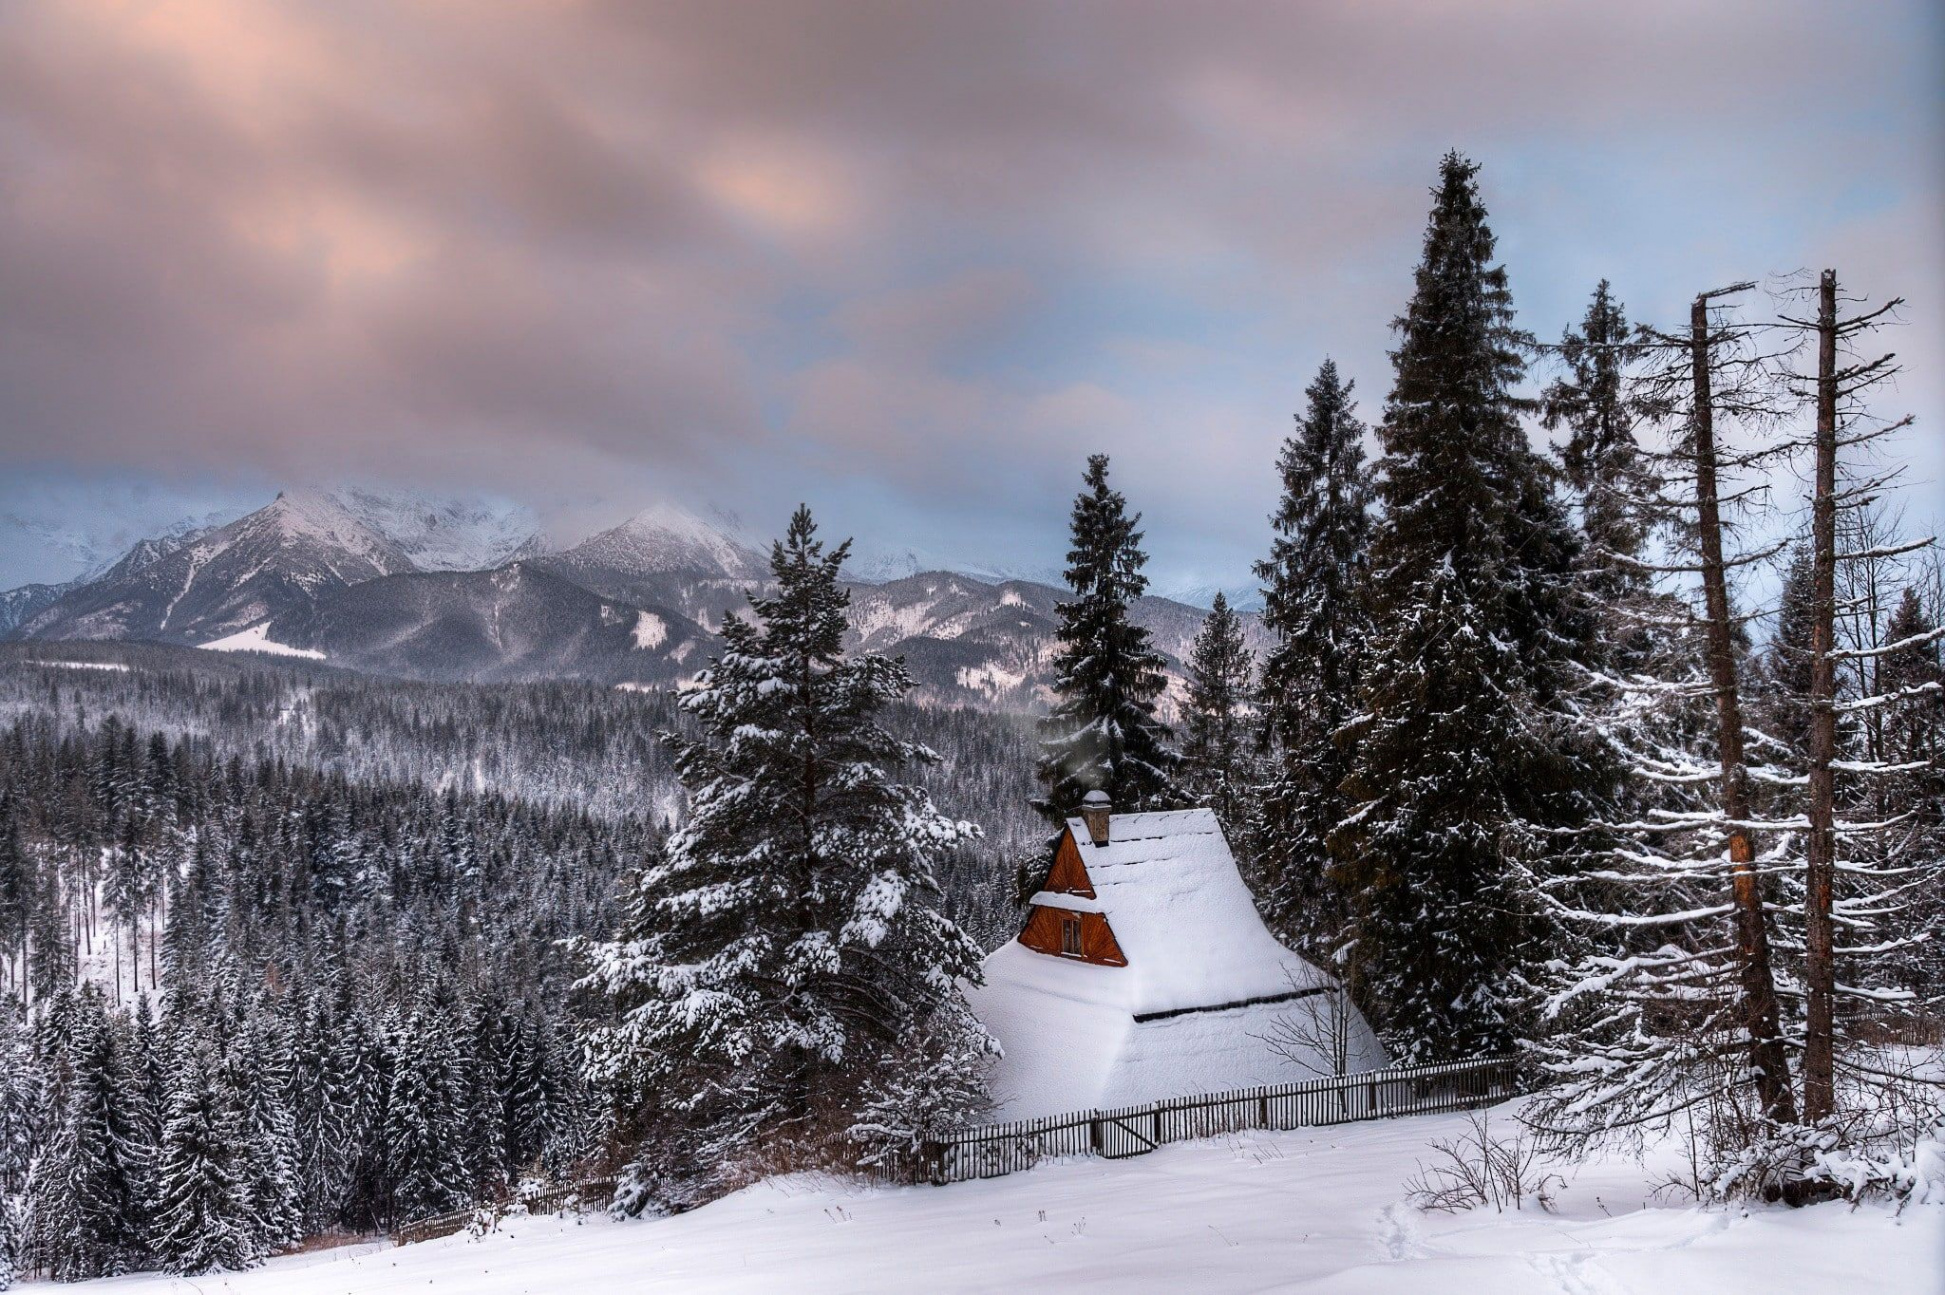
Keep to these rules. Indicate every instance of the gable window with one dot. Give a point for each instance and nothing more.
(1070, 936)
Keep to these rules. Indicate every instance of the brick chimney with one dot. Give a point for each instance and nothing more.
(1094, 811)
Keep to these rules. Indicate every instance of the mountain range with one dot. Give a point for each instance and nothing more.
(449, 590)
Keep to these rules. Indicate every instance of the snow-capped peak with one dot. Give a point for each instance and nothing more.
(446, 532)
(298, 517)
(667, 537)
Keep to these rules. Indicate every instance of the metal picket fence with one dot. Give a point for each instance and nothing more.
(992, 1150)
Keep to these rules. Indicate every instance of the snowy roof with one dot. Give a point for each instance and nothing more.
(1170, 890)
(1186, 1016)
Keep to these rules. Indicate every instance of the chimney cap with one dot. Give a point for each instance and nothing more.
(1095, 813)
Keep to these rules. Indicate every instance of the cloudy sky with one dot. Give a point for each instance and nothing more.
(910, 262)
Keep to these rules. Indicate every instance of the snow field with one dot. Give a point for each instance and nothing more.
(257, 639)
(1314, 1210)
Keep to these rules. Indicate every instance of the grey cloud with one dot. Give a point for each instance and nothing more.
(614, 241)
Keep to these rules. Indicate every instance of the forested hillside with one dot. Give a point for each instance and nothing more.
(567, 744)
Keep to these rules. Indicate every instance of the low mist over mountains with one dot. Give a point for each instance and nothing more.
(463, 590)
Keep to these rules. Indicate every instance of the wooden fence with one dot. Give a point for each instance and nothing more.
(593, 1193)
(991, 1150)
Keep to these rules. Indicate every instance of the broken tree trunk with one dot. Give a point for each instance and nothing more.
(1820, 972)
(1762, 1020)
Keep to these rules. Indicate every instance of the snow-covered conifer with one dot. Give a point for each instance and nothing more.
(318, 1116)
(791, 932)
(1313, 602)
(939, 1082)
(204, 1218)
(1102, 734)
(1465, 761)
(261, 1072)
(1602, 408)
(424, 1122)
(1216, 718)
(86, 1194)
(9, 1243)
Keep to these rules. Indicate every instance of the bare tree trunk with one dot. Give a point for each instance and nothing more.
(1820, 973)
(1761, 1016)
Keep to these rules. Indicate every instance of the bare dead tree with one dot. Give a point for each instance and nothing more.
(1761, 1015)
(1315, 1034)
(1660, 1015)
(1840, 425)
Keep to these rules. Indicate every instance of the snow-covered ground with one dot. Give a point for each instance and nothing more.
(257, 639)
(1313, 1210)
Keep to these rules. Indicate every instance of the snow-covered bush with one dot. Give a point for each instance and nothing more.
(942, 1084)
(1856, 1155)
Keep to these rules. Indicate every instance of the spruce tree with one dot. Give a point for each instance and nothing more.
(1915, 729)
(1102, 733)
(1464, 760)
(9, 1243)
(16, 884)
(204, 1220)
(20, 1096)
(1914, 738)
(319, 1118)
(789, 941)
(424, 1125)
(87, 1195)
(1313, 603)
(1784, 698)
(1215, 755)
(1601, 460)
(260, 1056)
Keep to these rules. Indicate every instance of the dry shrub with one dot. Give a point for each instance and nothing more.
(1479, 1169)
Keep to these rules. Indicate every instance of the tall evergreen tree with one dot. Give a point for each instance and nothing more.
(1313, 603)
(87, 1196)
(319, 1117)
(261, 1054)
(203, 1217)
(425, 1124)
(20, 1096)
(9, 1244)
(1601, 460)
(1915, 729)
(1215, 749)
(790, 941)
(1102, 734)
(1464, 760)
(1784, 698)
(16, 885)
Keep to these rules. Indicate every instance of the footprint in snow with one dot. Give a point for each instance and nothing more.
(1399, 1232)
(1576, 1273)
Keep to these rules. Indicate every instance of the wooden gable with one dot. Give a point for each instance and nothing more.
(1068, 876)
(1045, 927)
(1043, 934)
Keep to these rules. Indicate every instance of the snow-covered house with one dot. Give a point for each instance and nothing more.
(1144, 972)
